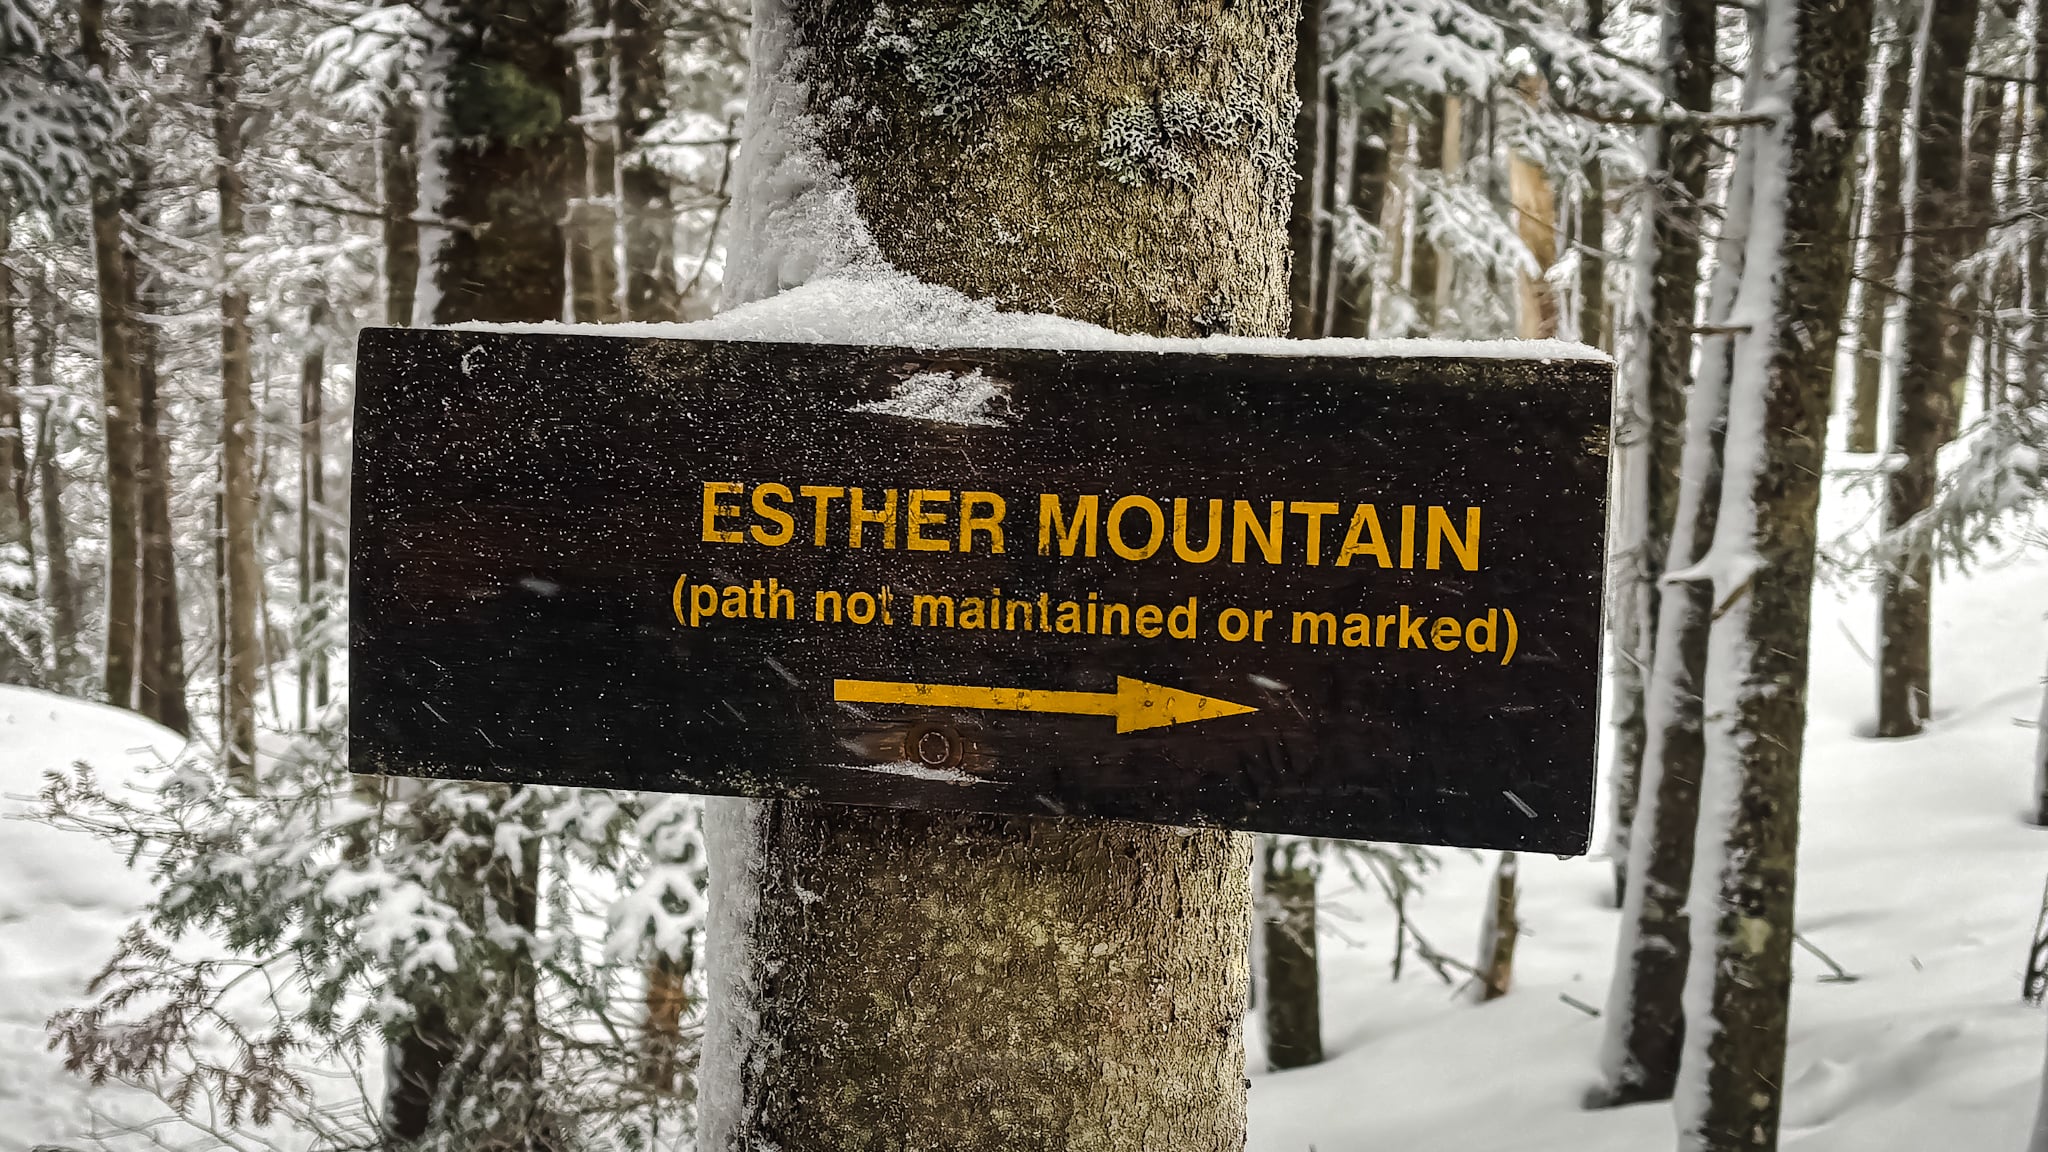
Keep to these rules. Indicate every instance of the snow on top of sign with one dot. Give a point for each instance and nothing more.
(889, 308)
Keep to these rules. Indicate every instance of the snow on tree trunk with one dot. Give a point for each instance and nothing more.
(982, 981)
(1289, 979)
(398, 176)
(60, 587)
(1645, 1016)
(1327, 281)
(1813, 58)
(1923, 413)
(312, 550)
(238, 410)
(1883, 240)
(1659, 377)
(119, 393)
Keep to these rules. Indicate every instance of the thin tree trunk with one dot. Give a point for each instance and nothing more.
(1883, 241)
(1795, 286)
(398, 173)
(1978, 292)
(1396, 210)
(1301, 216)
(1645, 1019)
(647, 215)
(238, 415)
(2035, 366)
(1499, 930)
(1924, 410)
(1367, 197)
(312, 551)
(1331, 130)
(2038, 1142)
(1108, 959)
(62, 588)
(1289, 979)
(22, 664)
(1659, 372)
(1424, 275)
(1535, 211)
(160, 663)
(120, 396)
(1593, 223)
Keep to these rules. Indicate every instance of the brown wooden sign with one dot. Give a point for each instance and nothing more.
(1327, 595)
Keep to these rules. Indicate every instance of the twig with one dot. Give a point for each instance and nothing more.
(1836, 974)
(1581, 1005)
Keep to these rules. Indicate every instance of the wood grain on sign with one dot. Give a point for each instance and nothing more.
(1355, 597)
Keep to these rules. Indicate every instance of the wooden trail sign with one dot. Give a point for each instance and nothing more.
(1353, 596)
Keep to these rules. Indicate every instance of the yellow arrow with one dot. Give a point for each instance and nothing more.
(1135, 704)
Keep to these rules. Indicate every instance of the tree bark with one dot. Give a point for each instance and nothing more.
(1924, 409)
(1499, 930)
(312, 552)
(20, 663)
(1593, 223)
(1367, 195)
(238, 414)
(120, 395)
(398, 174)
(2034, 368)
(1301, 215)
(1424, 274)
(647, 215)
(62, 588)
(1535, 209)
(1644, 1025)
(1659, 371)
(160, 658)
(1327, 282)
(1883, 241)
(1289, 980)
(965, 981)
(1796, 278)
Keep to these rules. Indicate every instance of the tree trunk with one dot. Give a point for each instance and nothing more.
(2034, 369)
(1367, 196)
(1498, 931)
(2038, 1142)
(1289, 981)
(398, 173)
(160, 652)
(1395, 210)
(120, 394)
(1795, 286)
(1977, 298)
(1424, 275)
(312, 552)
(238, 415)
(1301, 215)
(1883, 241)
(647, 215)
(1924, 410)
(21, 659)
(1535, 209)
(496, 149)
(1659, 371)
(1593, 223)
(1645, 1019)
(1327, 283)
(62, 588)
(1076, 983)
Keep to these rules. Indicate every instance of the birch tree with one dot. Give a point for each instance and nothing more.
(1108, 988)
(1813, 56)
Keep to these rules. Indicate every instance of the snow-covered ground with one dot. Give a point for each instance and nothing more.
(1918, 874)
(64, 899)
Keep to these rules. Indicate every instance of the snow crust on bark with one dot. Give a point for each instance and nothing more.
(432, 163)
(1705, 408)
(1732, 561)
